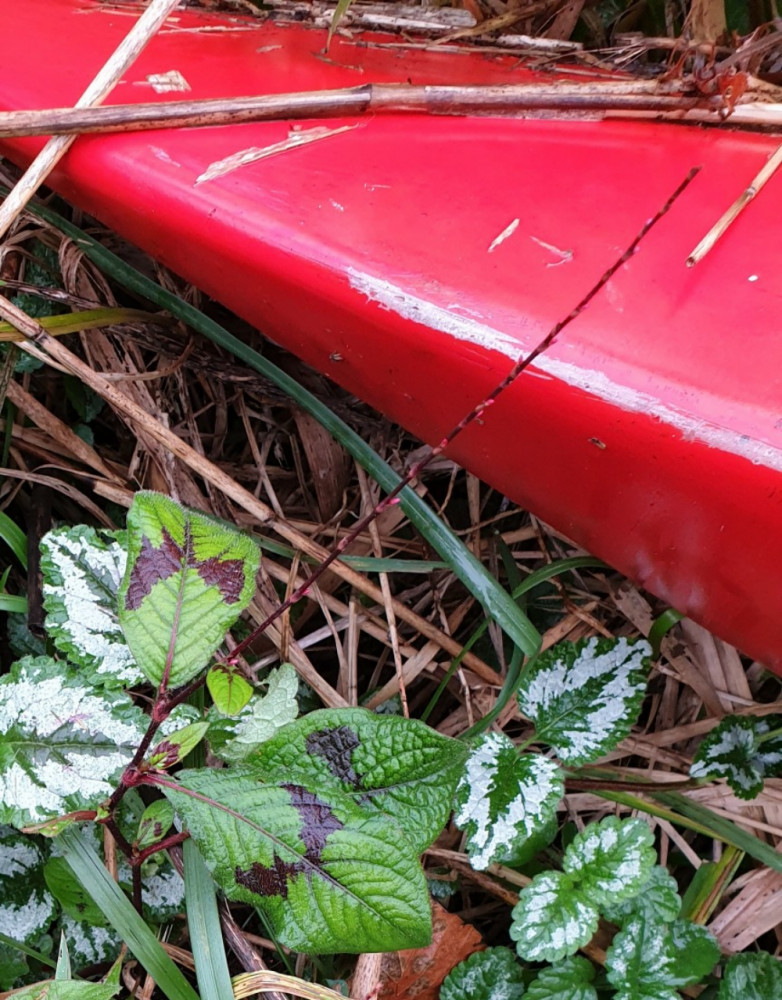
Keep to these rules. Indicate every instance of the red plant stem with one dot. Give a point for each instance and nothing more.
(161, 845)
(415, 470)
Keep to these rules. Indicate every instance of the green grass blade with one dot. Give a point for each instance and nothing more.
(535, 578)
(498, 604)
(203, 921)
(27, 950)
(13, 605)
(14, 538)
(119, 912)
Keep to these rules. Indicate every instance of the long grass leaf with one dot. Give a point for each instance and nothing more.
(14, 538)
(203, 921)
(119, 912)
(498, 604)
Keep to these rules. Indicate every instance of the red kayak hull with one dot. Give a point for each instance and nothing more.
(650, 433)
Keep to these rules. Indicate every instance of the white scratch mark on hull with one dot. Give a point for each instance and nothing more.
(417, 310)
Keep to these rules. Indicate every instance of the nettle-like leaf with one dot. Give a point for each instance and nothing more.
(504, 798)
(188, 579)
(584, 697)
(611, 860)
(740, 750)
(658, 900)
(82, 570)
(400, 767)
(62, 746)
(570, 979)
(328, 877)
(27, 908)
(551, 919)
(235, 739)
(229, 690)
(756, 976)
(493, 974)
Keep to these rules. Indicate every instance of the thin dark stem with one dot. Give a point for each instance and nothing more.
(137, 896)
(415, 470)
(122, 842)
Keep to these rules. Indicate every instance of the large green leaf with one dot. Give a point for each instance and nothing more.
(399, 767)
(493, 974)
(187, 580)
(744, 750)
(328, 877)
(584, 697)
(504, 798)
(62, 746)
(82, 570)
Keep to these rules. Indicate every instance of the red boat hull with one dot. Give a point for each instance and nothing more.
(651, 432)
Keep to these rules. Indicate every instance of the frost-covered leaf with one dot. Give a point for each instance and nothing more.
(695, 952)
(234, 739)
(611, 860)
(177, 745)
(27, 908)
(82, 570)
(640, 961)
(493, 974)
(89, 944)
(328, 878)
(584, 697)
(399, 767)
(62, 746)
(229, 690)
(187, 580)
(162, 889)
(504, 798)
(551, 919)
(156, 820)
(570, 979)
(658, 900)
(756, 976)
(740, 750)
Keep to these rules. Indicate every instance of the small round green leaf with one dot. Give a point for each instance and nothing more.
(570, 979)
(493, 974)
(611, 860)
(177, 745)
(741, 751)
(229, 690)
(156, 820)
(756, 976)
(551, 920)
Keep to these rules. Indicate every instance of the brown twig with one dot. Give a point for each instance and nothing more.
(371, 98)
(124, 55)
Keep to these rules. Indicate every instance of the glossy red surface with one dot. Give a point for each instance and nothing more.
(651, 433)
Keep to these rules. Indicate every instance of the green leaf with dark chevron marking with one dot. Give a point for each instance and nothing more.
(399, 767)
(328, 877)
(188, 579)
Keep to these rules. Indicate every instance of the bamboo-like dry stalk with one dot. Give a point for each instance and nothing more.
(508, 99)
(123, 56)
